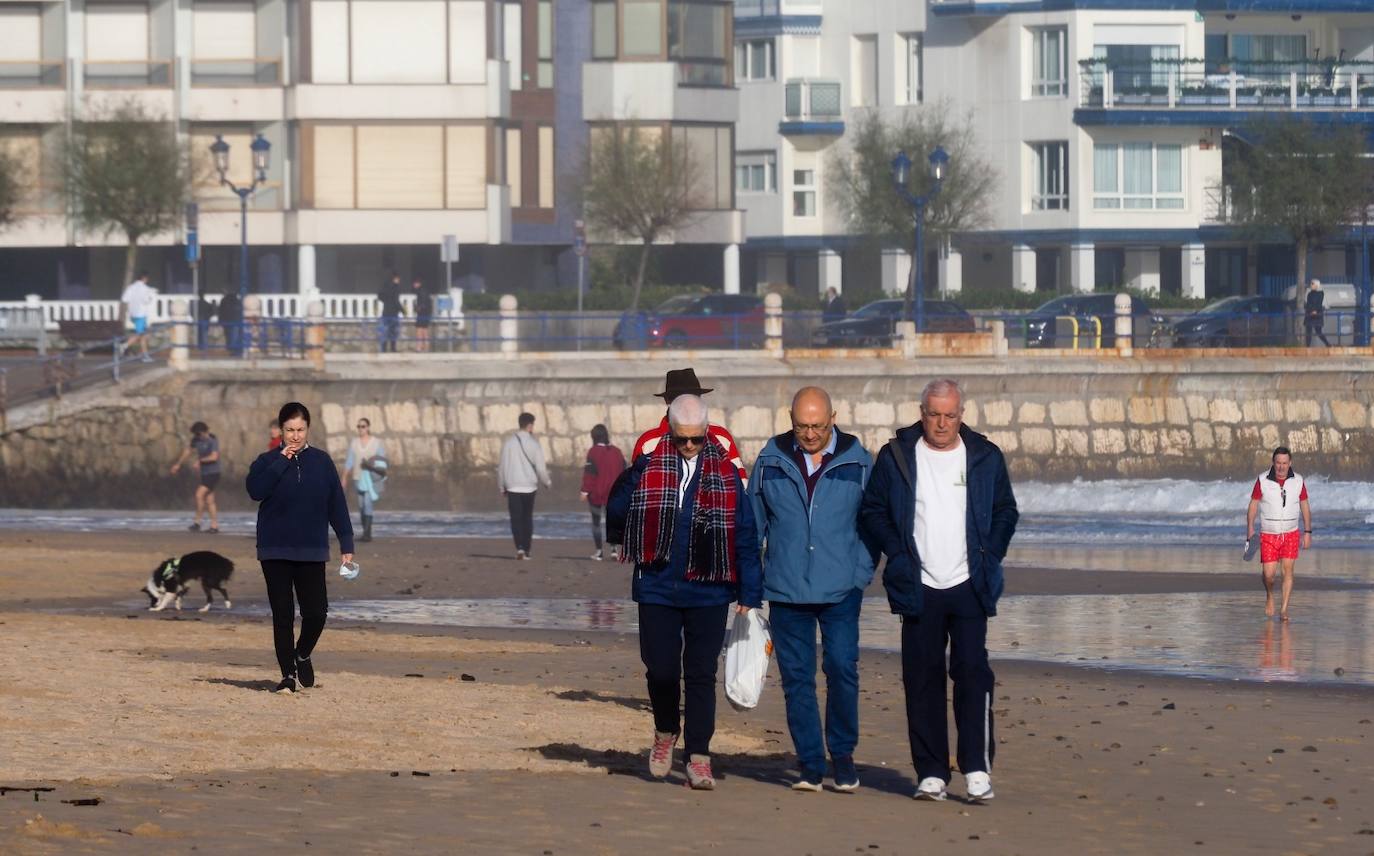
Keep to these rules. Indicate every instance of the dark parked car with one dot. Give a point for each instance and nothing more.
(874, 324)
(1043, 329)
(1236, 322)
(696, 321)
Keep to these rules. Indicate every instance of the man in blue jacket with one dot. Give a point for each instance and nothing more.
(689, 529)
(806, 489)
(940, 506)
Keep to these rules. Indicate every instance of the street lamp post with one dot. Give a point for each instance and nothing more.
(1362, 296)
(261, 151)
(901, 176)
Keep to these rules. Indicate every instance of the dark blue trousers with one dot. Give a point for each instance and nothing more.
(794, 641)
(954, 618)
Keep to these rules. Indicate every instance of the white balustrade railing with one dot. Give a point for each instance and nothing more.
(337, 307)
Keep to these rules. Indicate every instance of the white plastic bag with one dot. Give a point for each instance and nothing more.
(748, 647)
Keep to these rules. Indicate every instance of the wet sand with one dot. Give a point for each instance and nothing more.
(166, 720)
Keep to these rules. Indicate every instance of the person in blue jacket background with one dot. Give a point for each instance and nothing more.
(689, 529)
(806, 488)
(940, 507)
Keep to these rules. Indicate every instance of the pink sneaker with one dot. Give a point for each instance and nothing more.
(661, 755)
(699, 773)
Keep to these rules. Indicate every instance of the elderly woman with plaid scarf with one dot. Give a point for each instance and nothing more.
(689, 529)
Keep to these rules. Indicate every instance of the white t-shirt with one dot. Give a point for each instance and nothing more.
(689, 469)
(941, 502)
(139, 297)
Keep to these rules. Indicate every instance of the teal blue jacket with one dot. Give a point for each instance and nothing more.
(813, 552)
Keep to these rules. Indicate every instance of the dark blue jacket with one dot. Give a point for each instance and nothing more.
(298, 500)
(813, 552)
(665, 583)
(888, 517)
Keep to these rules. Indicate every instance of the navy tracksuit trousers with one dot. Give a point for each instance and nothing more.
(952, 617)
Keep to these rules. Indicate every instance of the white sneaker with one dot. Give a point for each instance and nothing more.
(519, 555)
(931, 789)
(597, 556)
(979, 786)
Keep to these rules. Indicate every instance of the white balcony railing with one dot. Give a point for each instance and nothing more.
(1199, 85)
(337, 307)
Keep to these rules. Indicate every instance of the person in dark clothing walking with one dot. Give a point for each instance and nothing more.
(689, 529)
(389, 327)
(424, 314)
(834, 310)
(299, 499)
(604, 465)
(230, 314)
(940, 507)
(1314, 314)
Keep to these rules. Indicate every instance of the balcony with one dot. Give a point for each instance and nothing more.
(1198, 85)
(812, 107)
(236, 72)
(128, 74)
(32, 75)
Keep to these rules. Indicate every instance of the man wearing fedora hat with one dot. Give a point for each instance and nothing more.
(684, 382)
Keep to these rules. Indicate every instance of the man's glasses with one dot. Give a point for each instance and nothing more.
(361, 427)
(680, 440)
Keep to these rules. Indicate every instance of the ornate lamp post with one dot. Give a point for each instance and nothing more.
(261, 153)
(901, 175)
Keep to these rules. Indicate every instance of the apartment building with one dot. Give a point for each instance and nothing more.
(392, 123)
(1107, 123)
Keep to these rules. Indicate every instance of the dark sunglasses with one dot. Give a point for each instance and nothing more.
(680, 440)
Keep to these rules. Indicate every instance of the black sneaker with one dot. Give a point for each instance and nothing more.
(305, 672)
(287, 685)
(809, 780)
(846, 774)
(194, 527)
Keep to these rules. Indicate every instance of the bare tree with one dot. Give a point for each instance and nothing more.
(637, 185)
(124, 170)
(11, 191)
(1296, 178)
(860, 178)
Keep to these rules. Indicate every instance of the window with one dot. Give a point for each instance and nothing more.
(603, 30)
(1051, 56)
(1269, 48)
(754, 60)
(511, 43)
(1137, 176)
(515, 164)
(803, 193)
(224, 29)
(116, 32)
(546, 176)
(467, 40)
(544, 75)
(909, 68)
(1137, 67)
(697, 39)
(863, 71)
(710, 149)
(24, 146)
(23, 29)
(377, 26)
(643, 26)
(1051, 177)
(756, 172)
(389, 166)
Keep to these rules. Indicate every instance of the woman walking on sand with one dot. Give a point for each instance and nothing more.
(604, 465)
(299, 498)
(204, 450)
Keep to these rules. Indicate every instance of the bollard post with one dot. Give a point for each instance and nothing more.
(314, 333)
(252, 314)
(510, 324)
(772, 323)
(998, 328)
(1124, 322)
(904, 338)
(180, 358)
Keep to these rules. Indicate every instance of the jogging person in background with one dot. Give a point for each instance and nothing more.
(1279, 499)
(204, 450)
(138, 300)
(684, 382)
(299, 498)
(604, 465)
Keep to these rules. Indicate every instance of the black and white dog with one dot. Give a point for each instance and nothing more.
(169, 579)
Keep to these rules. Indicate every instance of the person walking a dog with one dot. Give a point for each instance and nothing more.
(366, 469)
(204, 450)
(300, 498)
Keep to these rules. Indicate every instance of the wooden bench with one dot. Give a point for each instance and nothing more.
(87, 332)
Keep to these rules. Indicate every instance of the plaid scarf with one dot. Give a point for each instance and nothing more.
(653, 514)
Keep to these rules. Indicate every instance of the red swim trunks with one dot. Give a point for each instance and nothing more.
(1274, 548)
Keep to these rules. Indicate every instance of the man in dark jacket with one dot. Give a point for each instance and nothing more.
(940, 507)
(834, 309)
(389, 329)
(806, 488)
(1314, 313)
(689, 529)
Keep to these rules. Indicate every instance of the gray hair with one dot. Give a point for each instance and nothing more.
(688, 411)
(942, 388)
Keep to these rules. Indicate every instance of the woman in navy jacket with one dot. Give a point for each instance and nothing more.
(299, 498)
(689, 528)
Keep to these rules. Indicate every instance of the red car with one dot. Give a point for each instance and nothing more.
(697, 321)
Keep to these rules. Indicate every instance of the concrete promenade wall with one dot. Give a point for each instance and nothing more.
(443, 419)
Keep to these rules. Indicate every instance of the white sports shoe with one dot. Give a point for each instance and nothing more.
(931, 789)
(979, 786)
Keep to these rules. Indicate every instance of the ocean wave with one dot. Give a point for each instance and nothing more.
(1177, 497)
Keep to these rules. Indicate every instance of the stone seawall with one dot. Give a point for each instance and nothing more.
(443, 421)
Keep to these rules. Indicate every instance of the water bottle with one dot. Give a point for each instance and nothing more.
(349, 570)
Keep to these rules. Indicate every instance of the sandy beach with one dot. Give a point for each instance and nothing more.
(521, 740)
